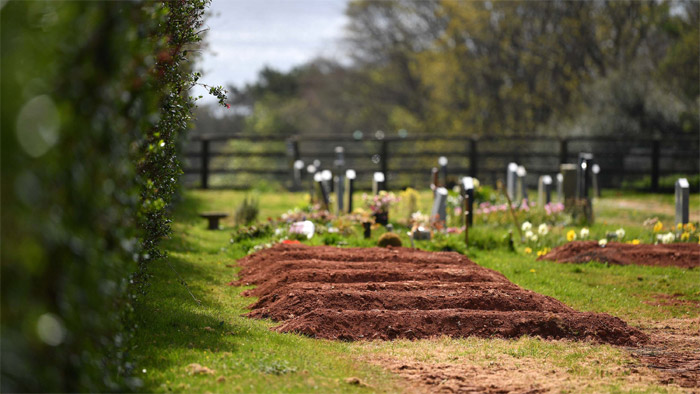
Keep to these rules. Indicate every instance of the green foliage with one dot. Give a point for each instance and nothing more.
(94, 100)
(252, 232)
(247, 211)
(389, 239)
(331, 238)
(75, 99)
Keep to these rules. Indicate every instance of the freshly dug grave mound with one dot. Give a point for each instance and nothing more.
(685, 255)
(376, 293)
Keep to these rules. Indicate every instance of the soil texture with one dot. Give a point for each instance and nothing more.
(685, 255)
(376, 293)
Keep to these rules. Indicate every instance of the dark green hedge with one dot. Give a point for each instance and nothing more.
(93, 97)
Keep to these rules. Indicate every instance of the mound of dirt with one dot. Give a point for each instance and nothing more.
(685, 255)
(377, 293)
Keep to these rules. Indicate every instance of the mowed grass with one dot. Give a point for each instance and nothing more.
(246, 356)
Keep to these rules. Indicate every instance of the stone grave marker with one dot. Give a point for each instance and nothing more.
(521, 172)
(682, 200)
(311, 170)
(322, 190)
(298, 168)
(350, 175)
(568, 184)
(442, 161)
(377, 182)
(595, 170)
(560, 187)
(511, 176)
(468, 192)
(339, 193)
(439, 212)
(544, 190)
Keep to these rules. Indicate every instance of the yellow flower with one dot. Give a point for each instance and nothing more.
(635, 242)
(571, 235)
(543, 252)
(658, 227)
(685, 236)
(679, 226)
(532, 270)
(528, 250)
(690, 227)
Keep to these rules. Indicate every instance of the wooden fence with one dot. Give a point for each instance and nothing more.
(239, 162)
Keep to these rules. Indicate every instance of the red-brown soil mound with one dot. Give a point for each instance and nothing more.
(375, 293)
(686, 255)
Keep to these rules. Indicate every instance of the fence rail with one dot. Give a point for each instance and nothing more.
(237, 161)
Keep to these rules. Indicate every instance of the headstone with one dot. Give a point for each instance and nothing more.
(511, 176)
(439, 212)
(583, 182)
(568, 184)
(377, 182)
(311, 170)
(595, 170)
(298, 167)
(322, 190)
(442, 161)
(468, 192)
(350, 175)
(682, 200)
(544, 190)
(327, 180)
(522, 186)
(339, 193)
(560, 187)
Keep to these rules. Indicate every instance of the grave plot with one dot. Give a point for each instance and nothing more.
(685, 255)
(375, 293)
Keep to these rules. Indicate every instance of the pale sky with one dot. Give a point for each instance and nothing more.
(245, 35)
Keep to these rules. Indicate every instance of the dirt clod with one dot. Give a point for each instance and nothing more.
(376, 293)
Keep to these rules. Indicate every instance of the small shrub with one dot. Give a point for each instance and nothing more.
(332, 238)
(247, 212)
(389, 239)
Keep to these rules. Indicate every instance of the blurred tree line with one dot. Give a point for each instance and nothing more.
(94, 101)
(491, 68)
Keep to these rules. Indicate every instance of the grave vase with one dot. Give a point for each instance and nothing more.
(381, 218)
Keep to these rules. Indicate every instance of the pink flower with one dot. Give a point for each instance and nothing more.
(228, 106)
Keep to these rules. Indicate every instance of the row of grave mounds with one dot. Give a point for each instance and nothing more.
(375, 293)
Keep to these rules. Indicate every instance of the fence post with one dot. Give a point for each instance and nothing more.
(655, 153)
(473, 158)
(204, 169)
(384, 156)
(563, 151)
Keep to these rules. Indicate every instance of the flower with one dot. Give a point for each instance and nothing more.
(635, 242)
(658, 226)
(291, 242)
(679, 226)
(543, 252)
(689, 227)
(528, 250)
(584, 233)
(571, 235)
(228, 106)
(532, 270)
(530, 236)
(527, 226)
(620, 233)
(685, 236)
(668, 238)
(543, 229)
(603, 242)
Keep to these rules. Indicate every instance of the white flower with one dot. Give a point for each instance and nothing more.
(668, 238)
(543, 229)
(533, 238)
(620, 232)
(529, 234)
(584, 233)
(603, 242)
(527, 226)
(476, 183)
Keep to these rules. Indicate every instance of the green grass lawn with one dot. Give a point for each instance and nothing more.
(174, 331)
